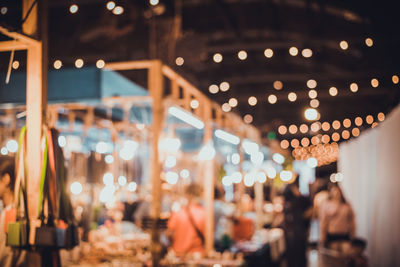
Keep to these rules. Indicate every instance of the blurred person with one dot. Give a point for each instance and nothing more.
(321, 195)
(337, 221)
(186, 227)
(244, 224)
(8, 256)
(222, 211)
(297, 214)
(357, 257)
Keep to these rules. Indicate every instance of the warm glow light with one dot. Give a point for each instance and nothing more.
(336, 124)
(335, 137)
(242, 55)
(79, 63)
(347, 123)
(15, 64)
(186, 117)
(292, 96)
(315, 127)
(76, 188)
(213, 88)
(179, 61)
(374, 82)
(344, 45)
(118, 10)
(278, 85)
(194, 104)
(268, 53)
(307, 52)
(374, 124)
(100, 64)
(325, 139)
(311, 114)
(315, 140)
(293, 51)
(312, 162)
(272, 99)
(325, 126)
(303, 128)
(217, 58)
(355, 132)
(110, 5)
(252, 101)
(284, 144)
(292, 129)
(305, 141)
(345, 134)
(224, 86)
(358, 121)
(228, 137)
(154, 2)
(369, 119)
(369, 42)
(311, 84)
(333, 91)
(282, 129)
(395, 79)
(294, 143)
(248, 118)
(312, 94)
(381, 116)
(314, 103)
(353, 87)
(3, 10)
(73, 9)
(233, 102)
(57, 64)
(226, 107)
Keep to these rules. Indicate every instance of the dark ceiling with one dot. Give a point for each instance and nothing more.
(197, 29)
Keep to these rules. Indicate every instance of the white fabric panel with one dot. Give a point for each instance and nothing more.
(371, 183)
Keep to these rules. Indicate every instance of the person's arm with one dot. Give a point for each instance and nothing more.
(352, 223)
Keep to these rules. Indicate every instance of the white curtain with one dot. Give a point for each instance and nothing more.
(371, 168)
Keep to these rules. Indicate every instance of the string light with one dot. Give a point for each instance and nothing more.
(325, 139)
(242, 55)
(194, 104)
(268, 53)
(305, 141)
(369, 119)
(336, 124)
(292, 129)
(311, 114)
(224, 86)
(179, 61)
(333, 91)
(284, 144)
(226, 107)
(213, 88)
(314, 103)
(248, 118)
(395, 79)
(100, 64)
(347, 123)
(315, 127)
(369, 42)
(381, 116)
(344, 45)
(217, 58)
(374, 82)
(374, 125)
(272, 99)
(118, 10)
(3, 10)
(292, 96)
(345, 134)
(315, 140)
(311, 84)
(57, 64)
(233, 102)
(73, 9)
(15, 64)
(252, 101)
(278, 85)
(355, 132)
(353, 87)
(303, 128)
(154, 2)
(282, 129)
(307, 53)
(294, 143)
(79, 63)
(293, 51)
(325, 126)
(110, 5)
(312, 94)
(335, 137)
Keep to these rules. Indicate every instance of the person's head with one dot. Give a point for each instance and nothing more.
(335, 193)
(291, 191)
(358, 246)
(193, 192)
(7, 178)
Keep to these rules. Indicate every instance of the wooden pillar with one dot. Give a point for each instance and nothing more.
(209, 179)
(259, 201)
(156, 88)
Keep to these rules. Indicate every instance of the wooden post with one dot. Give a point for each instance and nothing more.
(259, 201)
(156, 88)
(209, 178)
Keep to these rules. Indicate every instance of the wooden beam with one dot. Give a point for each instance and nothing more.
(12, 45)
(130, 65)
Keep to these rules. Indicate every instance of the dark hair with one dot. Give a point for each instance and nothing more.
(359, 242)
(332, 185)
(7, 166)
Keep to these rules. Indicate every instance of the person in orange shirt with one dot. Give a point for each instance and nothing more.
(186, 227)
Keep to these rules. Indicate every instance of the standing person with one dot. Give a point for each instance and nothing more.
(337, 221)
(297, 215)
(186, 227)
(8, 257)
